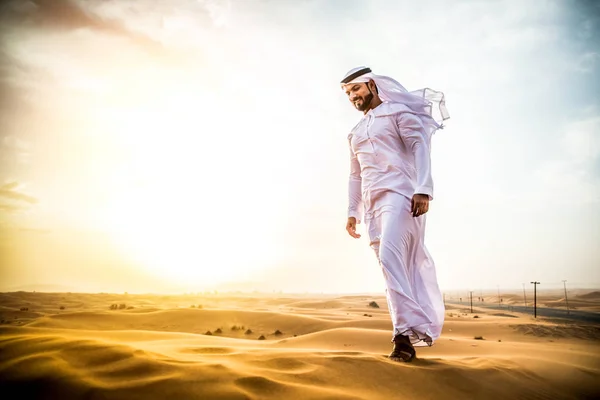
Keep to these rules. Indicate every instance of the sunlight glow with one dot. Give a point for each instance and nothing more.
(168, 211)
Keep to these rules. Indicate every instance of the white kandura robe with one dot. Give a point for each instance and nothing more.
(390, 162)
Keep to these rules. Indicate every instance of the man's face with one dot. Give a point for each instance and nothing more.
(359, 95)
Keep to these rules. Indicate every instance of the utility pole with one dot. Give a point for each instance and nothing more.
(535, 298)
(500, 305)
(471, 293)
(524, 297)
(566, 300)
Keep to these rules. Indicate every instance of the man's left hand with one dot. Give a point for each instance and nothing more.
(419, 205)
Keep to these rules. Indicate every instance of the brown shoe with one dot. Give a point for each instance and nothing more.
(403, 349)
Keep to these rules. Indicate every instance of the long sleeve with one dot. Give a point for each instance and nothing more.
(355, 203)
(414, 136)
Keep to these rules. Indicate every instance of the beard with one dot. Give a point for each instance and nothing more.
(364, 102)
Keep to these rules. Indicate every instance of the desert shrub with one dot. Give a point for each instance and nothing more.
(278, 332)
(122, 306)
(248, 332)
(479, 338)
(24, 308)
(373, 304)
(209, 333)
(62, 307)
(262, 337)
(218, 330)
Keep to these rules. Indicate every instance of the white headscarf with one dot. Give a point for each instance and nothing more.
(426, 102)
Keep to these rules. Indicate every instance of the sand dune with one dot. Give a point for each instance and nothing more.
(595, 295)
(327, 349)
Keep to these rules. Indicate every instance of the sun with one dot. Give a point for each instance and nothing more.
(183, 209)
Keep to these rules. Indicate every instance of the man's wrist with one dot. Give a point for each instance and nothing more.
(355, 215)
(425, 191)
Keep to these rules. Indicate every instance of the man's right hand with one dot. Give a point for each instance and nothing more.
(351, 228)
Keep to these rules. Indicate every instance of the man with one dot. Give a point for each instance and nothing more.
(390, 187)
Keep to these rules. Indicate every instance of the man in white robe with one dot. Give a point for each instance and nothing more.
(390, 187)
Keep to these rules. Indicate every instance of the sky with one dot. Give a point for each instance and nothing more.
(191, 145)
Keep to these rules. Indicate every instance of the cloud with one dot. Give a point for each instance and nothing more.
(10, 208)
(582, 142)
(96, 40)
(10, 191)
(588, 62)
(574, 175)
(37, 231)
(150, 25)
(14, 149)
(69, 15)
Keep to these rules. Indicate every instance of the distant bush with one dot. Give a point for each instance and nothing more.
(373, 304)
(122, 306)
(277, 332)
(479, 338)
(262, 337)
(209, 333)
(248, 332)
(24, 308)
(62, 307)
(476, 316)
(192, 306)
(218, 330)
(237, 328)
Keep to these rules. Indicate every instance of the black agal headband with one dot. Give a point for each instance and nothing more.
(355, 75)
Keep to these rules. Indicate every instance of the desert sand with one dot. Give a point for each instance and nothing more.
(209, 346)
